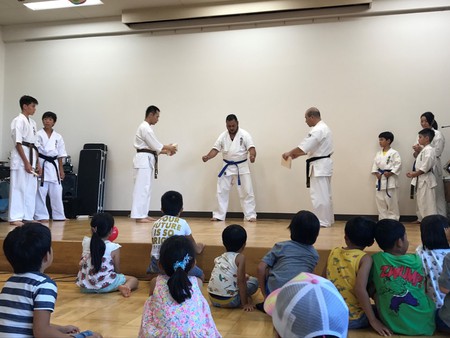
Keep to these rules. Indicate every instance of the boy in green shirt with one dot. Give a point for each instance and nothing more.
(399, 282)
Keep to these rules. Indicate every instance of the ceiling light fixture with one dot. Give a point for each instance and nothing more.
(54, 4)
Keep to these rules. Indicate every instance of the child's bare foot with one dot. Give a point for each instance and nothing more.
(216, 219)
(125, 290)
(16, 223)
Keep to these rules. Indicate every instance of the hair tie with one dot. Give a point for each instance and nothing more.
(182, 264)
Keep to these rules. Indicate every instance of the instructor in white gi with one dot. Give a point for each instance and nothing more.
(146, 164)
(235, 145)
(318, 145)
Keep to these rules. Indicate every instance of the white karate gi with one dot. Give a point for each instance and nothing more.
(22, 192)
(236, 150)
(387, 206)
(426, 183)
(144, 166)
(438, 144)
(50, 146)
(319, 142)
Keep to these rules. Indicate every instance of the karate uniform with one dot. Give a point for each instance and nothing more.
(319, 142)
(23, 185)
(236, 150)
(387, 205)
(425, 183)
(52, 146)
(144, 166)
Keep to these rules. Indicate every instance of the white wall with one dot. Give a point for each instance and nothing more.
(366, 75)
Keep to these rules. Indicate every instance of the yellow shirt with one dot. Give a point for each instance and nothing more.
(342, 267)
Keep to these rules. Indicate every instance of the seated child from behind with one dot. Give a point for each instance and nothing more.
(229, 285)
(171, 224)
(28, 296)
(287, 259)
(349, 268)
(399, 282)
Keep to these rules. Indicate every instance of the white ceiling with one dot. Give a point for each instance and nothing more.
(14, 12)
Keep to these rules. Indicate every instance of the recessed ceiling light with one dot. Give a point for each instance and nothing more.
(53, 4)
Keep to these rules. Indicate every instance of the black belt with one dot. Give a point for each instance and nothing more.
(154, 153)
(232, 163)
(50, 159)
(381, 171)
(308, 162)
(31, 146)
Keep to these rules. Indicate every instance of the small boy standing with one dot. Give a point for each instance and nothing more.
(171, 224)
(348, 269)
(386, 167)
(24, 164)
(287, 259)
(422, 176)
(399, 282)
(28, 296)
(51, 153)
(229, 285)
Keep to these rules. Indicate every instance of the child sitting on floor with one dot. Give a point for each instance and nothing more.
(168, 225)
(399, 282)
(28, 296)
(176, 306)
(434, 230)
(287, 259)
(100, 262)
(229, 285)
(349, 268)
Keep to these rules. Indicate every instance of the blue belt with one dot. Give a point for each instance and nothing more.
(232, 163)
(381, 171)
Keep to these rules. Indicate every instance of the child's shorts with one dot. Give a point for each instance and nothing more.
(153, 268)
(120, 280)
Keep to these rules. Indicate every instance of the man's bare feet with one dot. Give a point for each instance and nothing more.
(216, 219)
(125, 290)
(16, 223)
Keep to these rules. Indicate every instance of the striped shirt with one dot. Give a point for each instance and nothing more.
(21, 295)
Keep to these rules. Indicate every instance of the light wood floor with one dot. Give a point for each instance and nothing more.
(261, 234)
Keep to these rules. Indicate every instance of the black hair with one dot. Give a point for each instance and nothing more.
(101, 225)
(25, 247)
(171, 203)
(49, 114)
(231, 117)
(432, 232)
(387, 135)
(27, 100)
(388, 232)
(427, 133)
(429, 116)
(234, 237)
(360, 231)
(180, 251)
(304, 227)
(151, 110)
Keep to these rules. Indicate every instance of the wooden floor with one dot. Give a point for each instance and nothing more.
(115, 316)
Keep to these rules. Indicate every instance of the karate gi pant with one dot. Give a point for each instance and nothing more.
(320, 191)
(245, 191)
(441, 203)
(22, 195)
(143, 178)
(54, 191)
(426, 201)
(387, 206)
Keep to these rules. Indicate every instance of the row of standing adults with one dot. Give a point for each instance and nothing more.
(237, 148)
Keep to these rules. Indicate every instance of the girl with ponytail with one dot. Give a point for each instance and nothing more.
(176, 306)
(100, 263)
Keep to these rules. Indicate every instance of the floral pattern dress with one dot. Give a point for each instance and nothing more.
(164, 317)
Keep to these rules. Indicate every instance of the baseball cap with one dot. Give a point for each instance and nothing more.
(308, 306)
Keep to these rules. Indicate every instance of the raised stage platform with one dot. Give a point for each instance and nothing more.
(135, 239)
